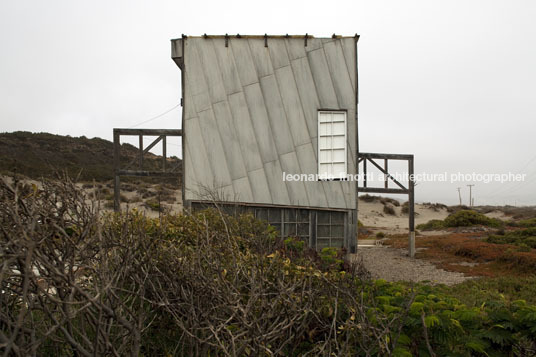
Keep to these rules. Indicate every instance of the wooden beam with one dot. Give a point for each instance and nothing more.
(386, 173)
(369, 155)
(146, 173)
(382, 190)
(148, 132)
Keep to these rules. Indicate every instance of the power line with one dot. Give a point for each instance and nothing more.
(158, 116)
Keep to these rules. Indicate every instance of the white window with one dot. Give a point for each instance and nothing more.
(332, 163)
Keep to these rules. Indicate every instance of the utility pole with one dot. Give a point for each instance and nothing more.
(459, 195)
(470, 195)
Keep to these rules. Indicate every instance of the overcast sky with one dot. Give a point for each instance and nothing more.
(453, 82)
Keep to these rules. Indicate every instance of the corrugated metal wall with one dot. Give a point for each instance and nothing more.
(250, 114)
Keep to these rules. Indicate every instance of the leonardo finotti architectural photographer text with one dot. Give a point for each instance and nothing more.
(419, 177)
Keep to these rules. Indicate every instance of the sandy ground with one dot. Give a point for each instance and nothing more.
(394, 265)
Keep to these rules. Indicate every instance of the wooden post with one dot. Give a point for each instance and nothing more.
(411, 207)
(386, 167)
(365, 173)
(141, 152)
(117, 182)
(164, 153)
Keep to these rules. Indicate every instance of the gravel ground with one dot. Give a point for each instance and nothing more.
(393, 264)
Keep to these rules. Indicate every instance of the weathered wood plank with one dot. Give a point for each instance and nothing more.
(292, 105)
(350, 57)
(334, 194)
(259, 186)
(278, 54)
(229, 139)
(307, 160)
(244, 131)
(195, 149)
(307, 92)
(278, 189)
(276, 112)
(261, 57)
(295, 48)
(242, 190)
(296, 189)
(261, 122)
(214, 148)
(322, 79)
(229, 71)
(342, 83)
(211, 68)
(244, 62)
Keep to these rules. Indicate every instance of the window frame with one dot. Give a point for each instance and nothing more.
(332, 177)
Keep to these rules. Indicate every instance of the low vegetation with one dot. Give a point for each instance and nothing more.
(462, 218)
(37, 155)
(525, 238)
(76, 281)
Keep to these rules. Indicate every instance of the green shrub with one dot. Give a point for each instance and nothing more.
(461, 218)
(380, 235)
(468, 218)
(434, 224)
(522, 237)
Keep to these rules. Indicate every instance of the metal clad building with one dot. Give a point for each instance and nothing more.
(256, 107)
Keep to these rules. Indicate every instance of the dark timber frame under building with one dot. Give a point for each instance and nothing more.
(256, 108)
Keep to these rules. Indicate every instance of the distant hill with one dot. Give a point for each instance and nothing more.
(38, 155)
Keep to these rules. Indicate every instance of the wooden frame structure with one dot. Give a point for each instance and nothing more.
(410, 190)
(161, 134)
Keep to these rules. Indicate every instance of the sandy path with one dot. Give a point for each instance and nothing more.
(393, 264)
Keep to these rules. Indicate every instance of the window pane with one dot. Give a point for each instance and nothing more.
(325, 156)
(339, 170)
(338, 155)
(338, 116)
(290, 215)
(262, 214)
(338, 142)
(290, 229)
(303, 215)
(337, 231)
(324, 117)
(325, 143)
(323, 217)
(274, 215)
(325, 128)
(325, 169)
(322, 231)
(337, 217)
(303, 229)
(338, 128)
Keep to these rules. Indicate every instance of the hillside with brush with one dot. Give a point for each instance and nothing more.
(38, 155)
